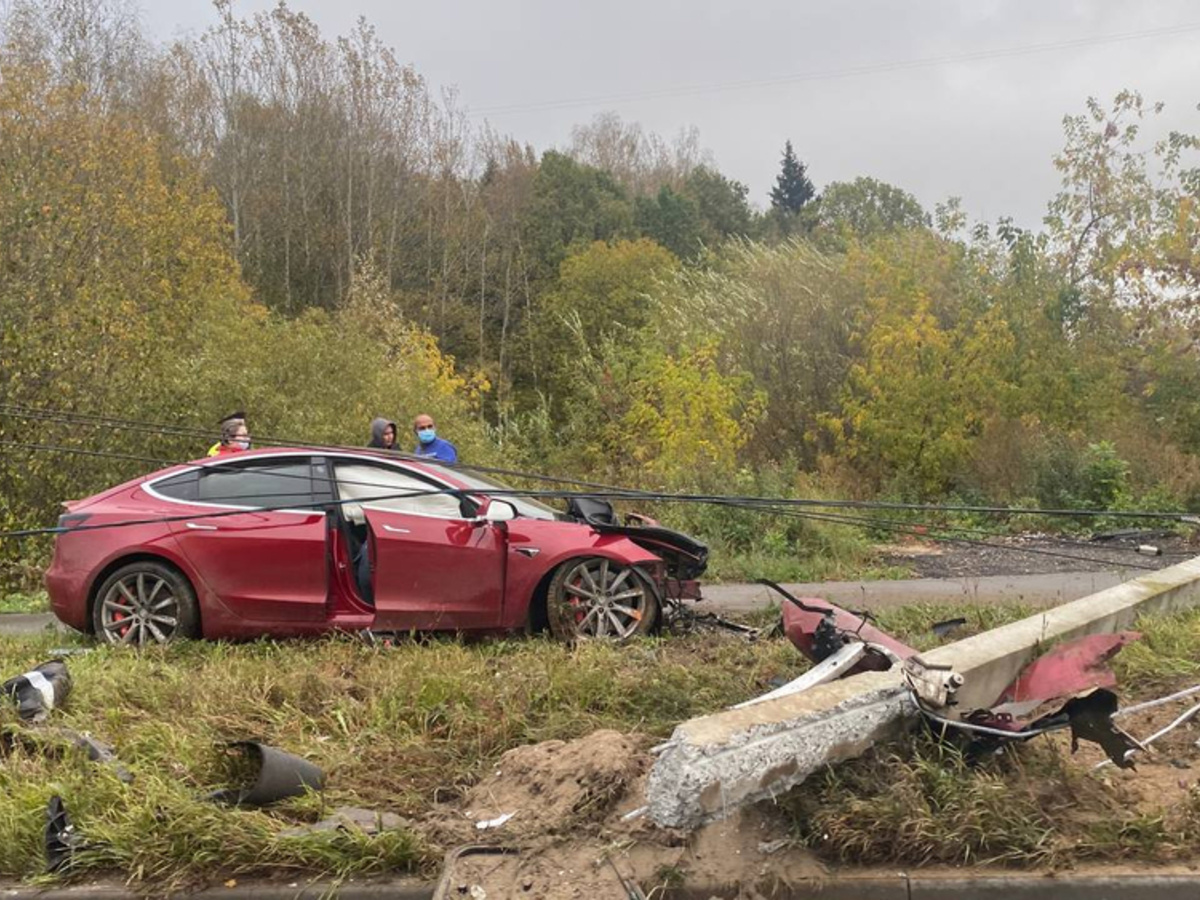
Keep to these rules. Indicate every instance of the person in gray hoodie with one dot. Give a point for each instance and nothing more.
(383, 434)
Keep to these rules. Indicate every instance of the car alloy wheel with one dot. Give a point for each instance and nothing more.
(139, 608)
(600, 598)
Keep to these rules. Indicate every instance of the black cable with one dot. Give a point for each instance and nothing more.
(761, 504)
(733, 502)
(901, 529)
(828, 517)
(867, 521)
(212, 463)
(845, 504)
(143, 427)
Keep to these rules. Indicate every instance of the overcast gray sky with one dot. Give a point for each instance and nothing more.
(984, 129)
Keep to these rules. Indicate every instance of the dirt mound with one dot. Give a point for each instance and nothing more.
(557, 830)
(555, 785)
(741, 857)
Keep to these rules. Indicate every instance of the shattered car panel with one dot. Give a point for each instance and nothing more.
(1066, 687)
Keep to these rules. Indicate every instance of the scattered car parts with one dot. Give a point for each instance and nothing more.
(350, 819)
(39, 690)
(263, 775)
(97, 751)
(61, 839)
(1067, 687)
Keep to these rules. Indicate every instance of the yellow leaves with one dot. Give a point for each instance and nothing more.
(913, 403)
(684, 417)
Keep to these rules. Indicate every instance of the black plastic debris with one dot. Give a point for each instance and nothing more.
(61, 838)
(1091, 720)
(261, 775)
(948, 627)
(39, 690)
(97, 751)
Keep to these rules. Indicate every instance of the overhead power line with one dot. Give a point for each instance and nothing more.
(596, 489)
(760, 505)
(834, 74)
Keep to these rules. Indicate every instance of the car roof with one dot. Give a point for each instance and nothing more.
(369, 454)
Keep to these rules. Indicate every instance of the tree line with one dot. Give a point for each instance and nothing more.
(268, 217)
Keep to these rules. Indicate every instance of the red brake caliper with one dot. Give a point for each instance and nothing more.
(118, 617)
(575, 602)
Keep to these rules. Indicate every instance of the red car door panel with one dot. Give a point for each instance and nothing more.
(265, 566)
(433, 573)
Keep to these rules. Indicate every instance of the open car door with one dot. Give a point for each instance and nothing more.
(434, 567)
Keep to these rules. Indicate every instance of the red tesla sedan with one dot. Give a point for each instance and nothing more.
(290, 542)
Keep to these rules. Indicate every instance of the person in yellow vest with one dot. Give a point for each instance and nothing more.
(235, 435)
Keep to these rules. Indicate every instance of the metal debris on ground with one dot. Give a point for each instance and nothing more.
(38, 738)
(818, 629)
(1068, 687)
(679, 618)
(630, 888)
(40, 690)
(1090, 719)
(485, 824)
(1167, 729)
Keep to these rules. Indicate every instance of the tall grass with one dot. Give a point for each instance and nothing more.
(398, 729)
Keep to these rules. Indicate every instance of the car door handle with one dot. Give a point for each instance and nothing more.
(394, 530)
(197, 527)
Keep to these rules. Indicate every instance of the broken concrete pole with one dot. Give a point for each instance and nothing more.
(716, 763)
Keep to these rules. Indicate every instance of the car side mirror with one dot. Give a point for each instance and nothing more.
(498, 511)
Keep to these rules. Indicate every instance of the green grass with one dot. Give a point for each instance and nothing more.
(31, 602)
(409, 728)
(394, 730)
(923, 802)
(1169, 650)
(914, 623)
(798, 567)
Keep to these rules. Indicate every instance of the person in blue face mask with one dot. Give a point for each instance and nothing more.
(429, 444)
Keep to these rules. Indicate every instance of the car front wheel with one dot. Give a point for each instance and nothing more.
(145, 602)
(599, 598)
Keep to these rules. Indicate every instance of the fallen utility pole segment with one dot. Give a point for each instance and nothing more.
(714, 764)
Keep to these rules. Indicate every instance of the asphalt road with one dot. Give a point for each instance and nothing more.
(1036, 590)
(1044, 590)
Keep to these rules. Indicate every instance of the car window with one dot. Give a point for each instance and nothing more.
(385, 487)
(525, 506)
(184, 486)
(278, 483)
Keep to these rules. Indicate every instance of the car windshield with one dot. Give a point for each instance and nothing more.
(525, 506)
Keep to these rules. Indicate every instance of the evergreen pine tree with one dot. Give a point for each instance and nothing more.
(792, 187)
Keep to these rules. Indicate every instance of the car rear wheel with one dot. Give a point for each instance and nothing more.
(599, 598)
(145, 602)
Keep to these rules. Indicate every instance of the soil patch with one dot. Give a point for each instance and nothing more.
(1164, 776)
(568, 836)
(553, 786)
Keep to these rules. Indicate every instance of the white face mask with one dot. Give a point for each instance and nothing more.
(243, 443)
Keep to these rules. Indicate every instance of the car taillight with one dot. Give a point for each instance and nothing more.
(72, 520)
